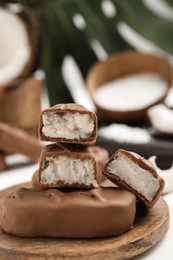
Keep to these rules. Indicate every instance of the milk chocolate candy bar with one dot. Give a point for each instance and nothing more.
(102, 212)
(101, 156)
(65, 165)
(15, 140)
(68, 123)
(130, 170)
(3, 165)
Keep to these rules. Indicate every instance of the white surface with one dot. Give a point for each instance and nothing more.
(167, 175)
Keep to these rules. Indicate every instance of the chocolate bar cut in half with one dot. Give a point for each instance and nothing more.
(101, 155)
(68, 123)
(65, 165)
(135, 173)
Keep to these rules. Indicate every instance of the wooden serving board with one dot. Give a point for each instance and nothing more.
(149, 227)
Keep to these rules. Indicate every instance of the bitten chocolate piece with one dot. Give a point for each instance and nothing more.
(130, 170)
(101, 212)
(15, 140)
(68, 123)
(101, 156)
(63, 165)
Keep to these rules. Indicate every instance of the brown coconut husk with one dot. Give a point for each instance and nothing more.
(20, 103)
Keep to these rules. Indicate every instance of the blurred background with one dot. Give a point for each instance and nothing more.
(48, 47)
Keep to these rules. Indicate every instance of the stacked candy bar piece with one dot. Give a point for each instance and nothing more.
(68, 162)
(67, 200)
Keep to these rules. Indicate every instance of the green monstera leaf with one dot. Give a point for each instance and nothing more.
(60, 36)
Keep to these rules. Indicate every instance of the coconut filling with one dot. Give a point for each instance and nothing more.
(69, 171)
(67, 125)
(139, 179)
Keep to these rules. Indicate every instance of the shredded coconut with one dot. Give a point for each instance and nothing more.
(68, 170)
(125, 134)
(132, 92)
(67, 125)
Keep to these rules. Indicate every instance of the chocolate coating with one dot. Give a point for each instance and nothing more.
(66, 108)
(102, 212)
(3, 165)
(143, 164)
(71, 151)
(101, 156)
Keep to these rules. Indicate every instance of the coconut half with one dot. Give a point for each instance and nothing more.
(161, 118)
(126, 84)
(19, 37)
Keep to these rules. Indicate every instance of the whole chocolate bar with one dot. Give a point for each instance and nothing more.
(68, 123)
(131, 171)
(15, 140)
(101, 212)
(65, 165)
(101, 156)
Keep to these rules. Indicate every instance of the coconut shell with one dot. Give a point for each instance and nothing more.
(120, 65)
(28, 17)
(20, 103)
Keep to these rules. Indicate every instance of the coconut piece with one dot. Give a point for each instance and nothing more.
(167, 175)
(131, 101)
(130, 170)
(161, 118)
(19, 37)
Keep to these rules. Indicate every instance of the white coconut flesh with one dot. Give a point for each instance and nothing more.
(15, 49)
(133, 92)
(161, 118)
